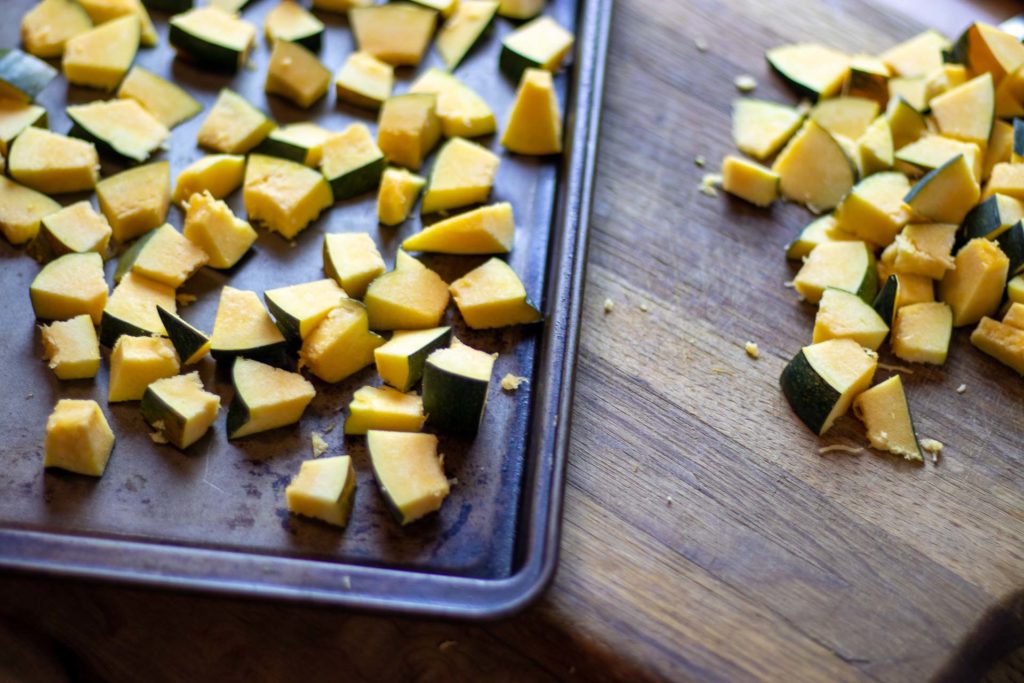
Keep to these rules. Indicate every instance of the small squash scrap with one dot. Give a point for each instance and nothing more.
(925, 249)
(265, 398)
(462, 111)
(966, 112)
(760, 128)
(21, 210)
(847, 265)
(296, 74)
(842, 315)
(1003, 342)
(132, 309)
(137, 362)
(22, 76)
(53, 163)
(364, 80)
(78, 438)
(814, 169)
(163, 255)
(120, 127)
(409, 473)
(169, 104)
(535, 122)
(210, 224)
(921, 332)
(396, 33)
(74, 229)
(70, 286)
(244, 328)
(50, 24)
(384, 408)
(946, 194)
(455, 386)
(812, 70)
(180, 409)
(932, 151)
(217, 174)
(492, 295)
(101, 56)
(400, 361)
(298, 309)
(324, 489)
(399, 189)
(749, 180)
(352, 259)
(212, 37)
(408, 129)
(974, 287)
(233, 126)
(463, 174)
(292, 22)
(538, 44)
(15, 117)
(411, 297)
(136, 201)
(301, 142)
(190, 343)
(486, 230)
(886, 415)
(71, 347)
(464, 29)
(823, 379)
(341, 345)
(283, 195)
(352, 162)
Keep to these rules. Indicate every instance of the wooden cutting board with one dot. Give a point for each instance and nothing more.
(705, 537)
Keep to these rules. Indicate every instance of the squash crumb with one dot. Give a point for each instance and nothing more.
(752, 350)
(644, 308)
(185, 299)
(346, 583)
(745, 83)
(453, 482)
(839, 447)
(708, 184)
(723, 371)
(789, 284)
(330, 428)
(961, 389)
(447, 645)
(319, 445)
(512, 382)
(636, 467)
(668, 500)
(895, 368)
(700, 161)
(933, 448)
(702, 45)
(157, 437)
(609, 306)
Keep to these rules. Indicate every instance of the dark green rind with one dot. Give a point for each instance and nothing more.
(207, 54)
(155, 409)
(131, 255)
(453, 403)
(111, 328)
(238, 411)
(1011, 243)
(358, 180)
(187, 340)
(311, 41)
(282, 149)
(810, 396)
(41, 122)
(104, 145)
(928, 178)
(1018, 137)
(23, 76)
(285, 321)
(389, 502)
(417, 359)
(885, 302)
(169, 5)
(984, 220)
(513, 63)
(913, 429)
(957, 54)
(799, 86)
(476, 41)
(276, 354)
(869, 285)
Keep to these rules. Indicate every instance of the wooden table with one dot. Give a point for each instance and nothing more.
(705, 538)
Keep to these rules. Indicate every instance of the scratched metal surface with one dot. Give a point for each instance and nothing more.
(230, 495)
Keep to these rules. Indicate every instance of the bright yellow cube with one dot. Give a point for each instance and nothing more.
(78, 438)
(323, 489)
(749, 180)
(492, 295)
(137, 362)
(72, 348)
(384, 408)
(921, 333)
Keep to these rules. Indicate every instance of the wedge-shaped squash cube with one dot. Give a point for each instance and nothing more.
(812, 70)
(400, 361)
(399, 189)
(869, 78)
(749, 180)
(1015, 289)
(323, 489)
(132, 309)
(341, 345)
(875, 147)
(886, 415)
(163, 255)
(103, 11)
(396, 33)
(409, 472)
(913, 89)
(455, 386)
(974, 287)
(169, 104)
(301, 142)
(137, 362)
(966, 112)
(78, 438)
(364, 80)
(1006, 179)
(814, 169)
(899, 290)
(821, 381)
(464, 29)
(932, 151)
(282, 195)
(352, 162)
(538, 44)
(849, 266)
(352, 259)
(22, 76)
(190, 343)
(384, 408)
(906, 123)
(462, 111)
(210, 225)
(760, 128)
(535, 122)
(463, 174)
(921, 333)
(1003, 342)
(292, 22)
(180, 409)
(70, 286)
(846, 115)
(76, 228)
(992, 217)
(298, 309)
(408, 129)
(21, 210)
(820, 230)
(296, 74)
(842, 315)
(487, 230)
(100, 57)
(15, 117)
(925, 249)
(212, 37)
(492, 295)
(120, 127)
(50, 24)
(918, 55)
(411, 297)
(233, 126)
(72, 348)
(244, 328)
(53, 163)
(136, 201)
(946, 194)
(265, 398)
(217, 174)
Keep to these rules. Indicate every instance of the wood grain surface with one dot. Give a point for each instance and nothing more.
(705, 538)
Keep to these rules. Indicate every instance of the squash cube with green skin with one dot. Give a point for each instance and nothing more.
(210, 224)
(22, 210)
(408, 129)
(820, 230)
(76, 228)
(842, 315)
(290, 21)
(823, 379)
(921, 332)
(869, 78)
(17, 116)
(1003, 342)
(352, 259)
(212, 37)
(101, 56)
(925, 249)
(341, 345)
(136, 200)
(886, 416)
(1011, 242)
(931, 151)
(535, 124)
(520, 9)
(399, 189)
(873, 210)
(464, 29)
(487, 230)
(462, 111)
(386, 409)
(243, 327)
(120, 127)
(455, 385)
(875, 147)
(760, 128)
(814, 169)
(283, 195)
(22, 76)
(492, 295)
(78, 438)
(901, 290)
(169, 104)
(463, 174)
(233, 126)
(132, 309)
(163, 255)
(70, 286)
(296, 74)
(974, 286)
(845, 115)
(301, 142)
(352, 162)
(364, 80)
(266, 398)
(190, 343)
(946, 194)
(137, 362)
(72, 348)
(396, 33)
(849, 266)
(967, 111)
(50, 24)
(104, 11)
(400, 361)
(538, 44)
(906, 123)
(298, 309)
(217, 174)
(53, 163)
(410, 297)
(749, 180)
(812, 70)
(324, 489)
(180, 409)
(409, 472)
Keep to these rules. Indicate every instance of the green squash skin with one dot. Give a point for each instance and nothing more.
(41, 122)
(358, 180)
(484, 28)
(1011, 243)
(885, 302)
(208, 54)
(513, 63)
(957, 54)
(23, 76)
(453, 403)
(417, 360)
(810, 396)
(283, 149)
(131, 255)
(176, 6)
(103, 145)
(311, 41)
(238, 415)
(869, 285)
(155, 409)
(984, 220)
(802, 89)
(1018, 137)
(187, 340)
(112, 328)
(389, 502)
(277, 355)
(926, 179)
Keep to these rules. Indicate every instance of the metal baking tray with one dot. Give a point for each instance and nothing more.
(213, 518)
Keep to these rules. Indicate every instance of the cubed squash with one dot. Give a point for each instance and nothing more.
(244, 328)
(137, 362)
(352, 162)
(265, 398)
(120, 127)
(70, 286)
(463, 29)
(932, 151)
(408, 129)
(298, 309)
(1007, 179)
(848, 116)
(190, 343)
(875, 147)
(410, 297)
(292, 22)
(132, 309)
(492, 295)
(921, 332)
(820, 230)
(535, 122)
(180, 409)
(364, 80)
(538, 44)
(842, 315)
(22, 76)
(397, 33)
(848, 265)
(101, 56)
(71, 347)
(53, 163)
(302, 142)
(400, 361)
(212, 37)
(341, 345)
(15, 117)
(283, 195)
(869, 78)
(812, 70)
(296, 74)
(78, 438)
(218, 174)
(1000, 147)
(462, 111)
(21, 210)
(486, 230)
(901, 290)
(352, 259)
(399, 189)
(925, 249)
(456, 381)
(1015, 289)
(324, 489)
(168, 103)
(384, 408)
(163, 255)
(906, 123)
(210, 225)
(463, 174)
(918, 55)
(974, 287)
(946, 194)
(914, 90)
(886, 416)
(103, 11)
(136, 201)
(760, 128)
(814, 169)
(409, 472)
(749, 180)
(50, 24)
(967, 112)
(823, 379)
(233, 126)
(1003, 342)
(76, 228)
(1014, 316)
